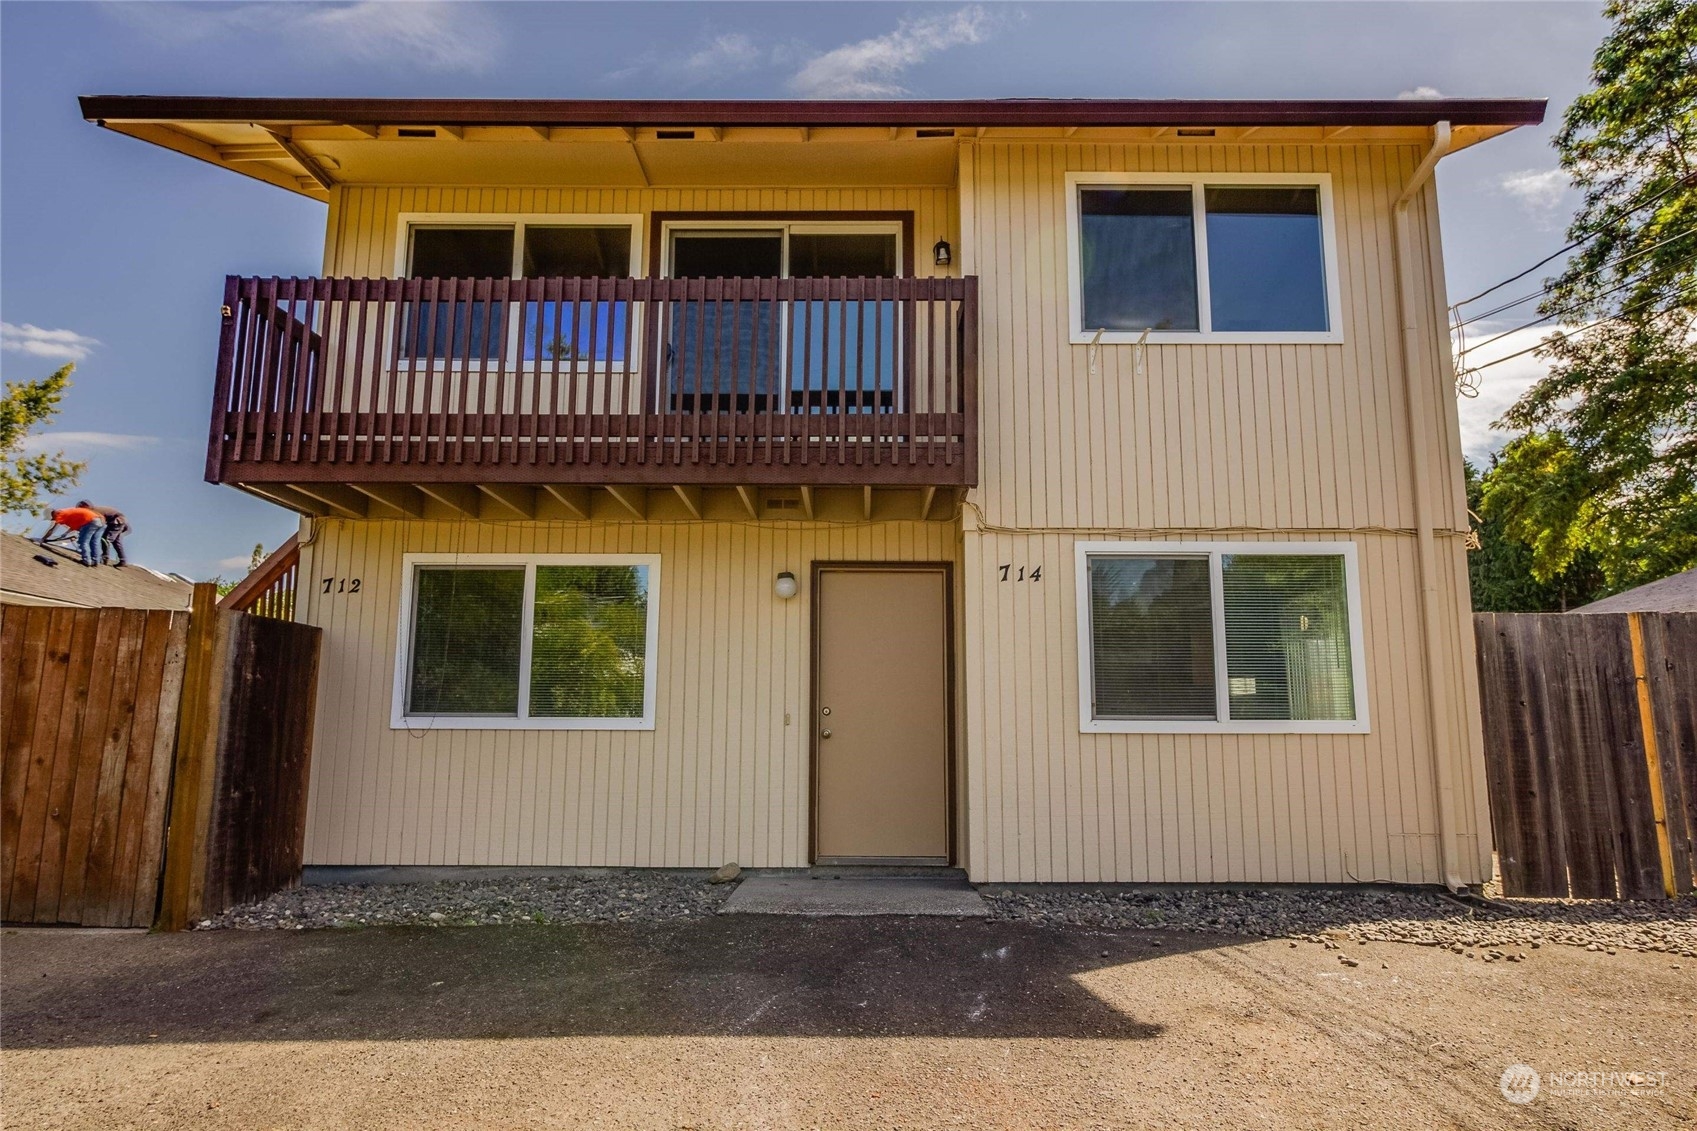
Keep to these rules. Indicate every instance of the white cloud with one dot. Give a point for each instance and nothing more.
(241, 563)
(1421, 92)
(83, 441)
(1499, 387)
(60, 345)
(1540, 190)
(871, 67)
(431, 35)
(725, 54)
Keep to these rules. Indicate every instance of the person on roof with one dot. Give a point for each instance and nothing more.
(89, 525)
(112, 542)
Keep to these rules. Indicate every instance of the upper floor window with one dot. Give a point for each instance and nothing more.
(452, 323)
(1222, 257)
(524, 249)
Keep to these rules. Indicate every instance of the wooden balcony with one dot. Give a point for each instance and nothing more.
(390, 397)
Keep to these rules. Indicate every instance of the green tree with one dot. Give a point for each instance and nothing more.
(1500, 570)
(1607, 463)
(26, 479)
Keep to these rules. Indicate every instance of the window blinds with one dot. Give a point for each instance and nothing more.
(467, 624)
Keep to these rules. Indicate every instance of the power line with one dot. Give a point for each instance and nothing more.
(1557, 313)
(1680, 182)
(1591, 274)
(1472, 369)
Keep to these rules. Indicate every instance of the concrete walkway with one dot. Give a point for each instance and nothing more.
(856, 895)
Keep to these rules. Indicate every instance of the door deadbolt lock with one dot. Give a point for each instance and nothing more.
(824, 710)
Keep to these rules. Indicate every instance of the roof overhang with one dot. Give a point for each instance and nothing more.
(308, 145)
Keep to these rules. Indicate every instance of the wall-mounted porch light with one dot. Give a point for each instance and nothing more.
(785, 587)
(942, 254)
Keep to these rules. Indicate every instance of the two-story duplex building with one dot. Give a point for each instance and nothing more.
(1062, 490)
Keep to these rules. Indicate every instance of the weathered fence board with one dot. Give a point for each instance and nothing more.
(1566, 760)
(87, 694)
(101, 736)
(259, 808)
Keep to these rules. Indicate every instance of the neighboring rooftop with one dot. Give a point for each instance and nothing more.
(309, 145)
(31, 574)
(1676, 594)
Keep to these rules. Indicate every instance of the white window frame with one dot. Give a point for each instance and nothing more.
(1198, 183)
(400, 720)
(518, 221)
(785, 228)
(1222, 723)
(408, 222)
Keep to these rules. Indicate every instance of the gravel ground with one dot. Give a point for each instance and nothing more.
(614, 896)
(1329, 917)
(1332, 916)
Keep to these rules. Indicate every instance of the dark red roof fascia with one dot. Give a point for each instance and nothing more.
(960, 112)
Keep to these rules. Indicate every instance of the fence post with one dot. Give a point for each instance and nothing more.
(193, 766)
(1652, 754)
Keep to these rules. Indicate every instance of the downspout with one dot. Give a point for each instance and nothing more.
(1443, 777)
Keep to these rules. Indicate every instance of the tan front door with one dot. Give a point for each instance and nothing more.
(881, 715)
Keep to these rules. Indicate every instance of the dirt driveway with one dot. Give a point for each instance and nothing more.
(750, 1021)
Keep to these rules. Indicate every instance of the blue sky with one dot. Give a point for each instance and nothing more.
(112, 253)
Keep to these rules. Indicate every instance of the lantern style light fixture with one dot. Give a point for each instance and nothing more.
(785, 587)
(942, 254)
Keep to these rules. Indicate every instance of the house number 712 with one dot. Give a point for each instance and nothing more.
(341, 585)
(1019, 573)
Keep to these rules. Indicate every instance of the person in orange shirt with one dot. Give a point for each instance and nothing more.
(90, 528)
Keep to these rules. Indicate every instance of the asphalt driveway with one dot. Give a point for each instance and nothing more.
(740, 1021)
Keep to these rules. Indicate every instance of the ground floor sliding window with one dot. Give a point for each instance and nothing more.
(1215, 637)
(563, 641)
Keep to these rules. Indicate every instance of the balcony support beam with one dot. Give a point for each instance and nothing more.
(520, 501)
(571, 496)
(398, 496)
(807, 501)
(458, 496)
(750, 497)
(926, 498)
(343, 501)
(287, 497)
(691, 497)
(633, 499)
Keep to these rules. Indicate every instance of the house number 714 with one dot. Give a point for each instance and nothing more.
(1019, 573)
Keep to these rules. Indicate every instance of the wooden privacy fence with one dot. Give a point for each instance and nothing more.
(155, 761)
(89, 714)
(1591, 751)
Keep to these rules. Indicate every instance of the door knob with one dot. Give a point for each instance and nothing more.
(826, 733)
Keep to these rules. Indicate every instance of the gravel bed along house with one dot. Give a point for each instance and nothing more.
(634, 895)
(1332, 916)
(1327, 916)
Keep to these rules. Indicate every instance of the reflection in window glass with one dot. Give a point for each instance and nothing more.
(587, 658)
(459, 329)
(1288, 637)
(823, 255)
(1151, 629)
(1137, 259)
(465, 641)
(577, 252)
(1266, 270)
(462, 253)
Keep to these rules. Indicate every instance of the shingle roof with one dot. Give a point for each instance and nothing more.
(1676, 594)
(31, 574)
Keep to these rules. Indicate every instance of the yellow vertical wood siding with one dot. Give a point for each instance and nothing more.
(1208, 442)
(724, 774)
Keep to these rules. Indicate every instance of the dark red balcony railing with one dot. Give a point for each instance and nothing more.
(833, 381)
